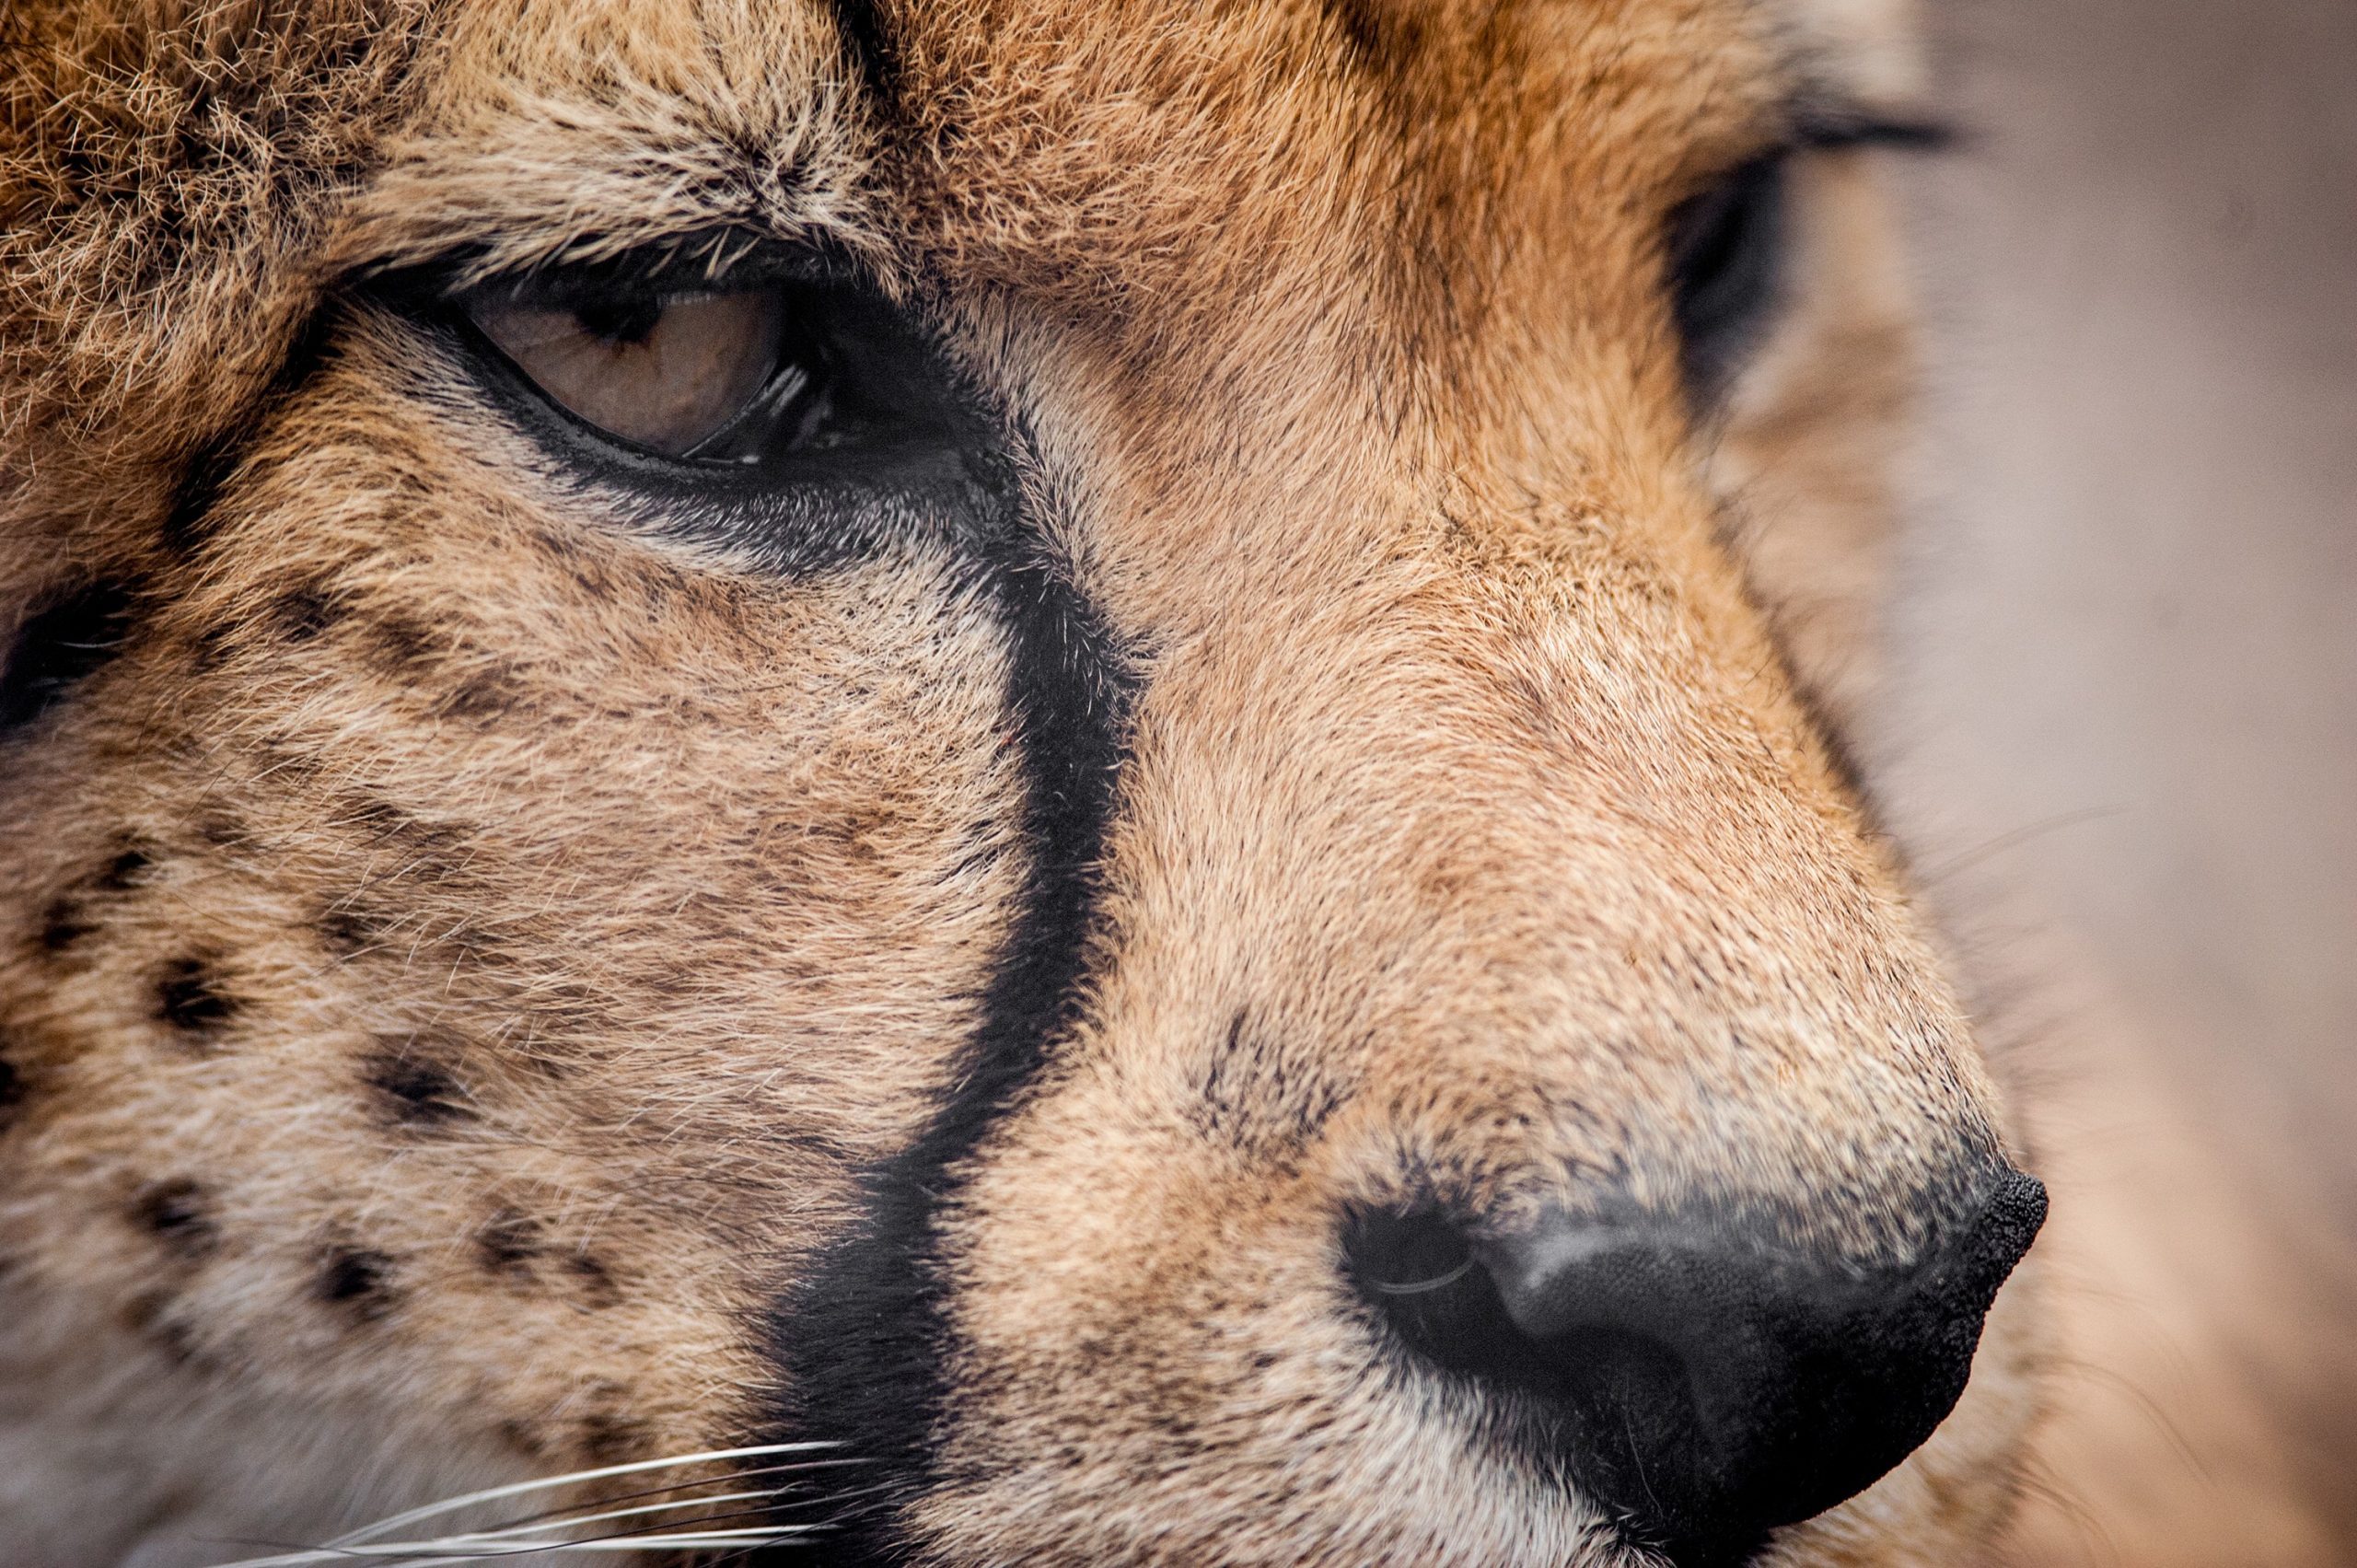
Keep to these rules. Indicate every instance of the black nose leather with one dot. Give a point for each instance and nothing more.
(1702, 1387)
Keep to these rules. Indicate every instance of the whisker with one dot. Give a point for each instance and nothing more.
(1422, 1287)
(518, 1489)
(510, 1543)
(515, 1538)
(523, 1526)
(1940, 871)
(479, 1549)
(725, 1478)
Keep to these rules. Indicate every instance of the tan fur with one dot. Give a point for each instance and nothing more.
(1472, 818)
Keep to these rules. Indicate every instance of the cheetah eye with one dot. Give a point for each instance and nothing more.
(712, 376)
(763, 394)
(1725, 250)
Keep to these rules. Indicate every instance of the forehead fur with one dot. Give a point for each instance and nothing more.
(174, 166)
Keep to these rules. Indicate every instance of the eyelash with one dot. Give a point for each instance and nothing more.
(1826, 131)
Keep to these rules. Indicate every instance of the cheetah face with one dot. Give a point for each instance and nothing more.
(1073, 760)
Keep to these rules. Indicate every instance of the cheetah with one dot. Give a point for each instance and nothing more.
(964, 784)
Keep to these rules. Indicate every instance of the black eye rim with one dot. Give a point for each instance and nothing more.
(704, 260)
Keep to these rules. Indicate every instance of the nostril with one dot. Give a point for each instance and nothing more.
(1699, 1385)
(1409, 1254)
(1418, 1271)
(1605, 1399)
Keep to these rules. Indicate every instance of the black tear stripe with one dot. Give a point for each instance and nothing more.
(865, 1338)
(59, 646)
(71, 637)
(188, 524)
(873, 53)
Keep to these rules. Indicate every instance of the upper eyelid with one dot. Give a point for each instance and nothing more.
(663, 271)
(562, 304)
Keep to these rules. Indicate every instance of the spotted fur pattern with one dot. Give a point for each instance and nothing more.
(492, 984)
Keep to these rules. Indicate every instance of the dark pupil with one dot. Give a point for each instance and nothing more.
(1723, 256)
(620, 320)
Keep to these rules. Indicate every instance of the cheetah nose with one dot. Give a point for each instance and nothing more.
(1701, 1388)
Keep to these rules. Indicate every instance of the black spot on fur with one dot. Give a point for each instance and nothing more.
(874, 55)
(430, 853)
(58, 648)
(139, 1311)
(389, 823)
(402, 647)
(178, 1340)
(595, 581)
(508, 1242)
(12, 1092)
(524, 1437)
(190, 521)
(68, 918)
(301, 615)
(148, 1314)
(223, 831)
(1380, 33)
(484, 693)
(210, 649)
(347, 928)
(358, 1280)
(123, 873)
(416, 1090)
(63, 924)
(190, 998)
(609, 1437)
(179, 1215)
(597, 1281)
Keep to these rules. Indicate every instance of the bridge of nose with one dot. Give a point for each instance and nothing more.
(1522, 823)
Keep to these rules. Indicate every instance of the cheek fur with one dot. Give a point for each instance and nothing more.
(431, 903)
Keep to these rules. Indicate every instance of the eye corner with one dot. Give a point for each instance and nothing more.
(427, 290)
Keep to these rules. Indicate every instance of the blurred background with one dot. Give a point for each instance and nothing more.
(2124, 728)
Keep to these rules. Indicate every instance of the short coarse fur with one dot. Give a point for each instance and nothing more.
(495, 980)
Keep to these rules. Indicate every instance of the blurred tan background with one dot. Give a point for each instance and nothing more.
(2125, 722)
